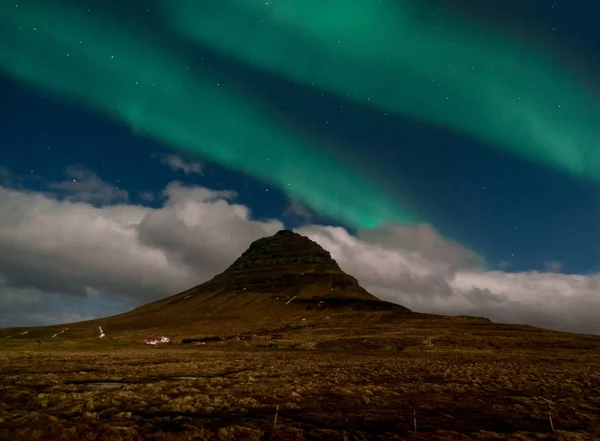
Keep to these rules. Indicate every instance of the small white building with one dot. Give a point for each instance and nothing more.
(156, 340)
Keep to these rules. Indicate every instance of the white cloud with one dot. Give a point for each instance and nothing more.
(455, 284)
(66, 259)
(177, 164)
(201, 229)
(426, 241)
(122, 253)
(83, 185)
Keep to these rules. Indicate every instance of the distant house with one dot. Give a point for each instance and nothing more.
(244, 337)
(156, 340)
(274, 336)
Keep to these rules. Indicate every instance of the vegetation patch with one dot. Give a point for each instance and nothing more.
(349, 394)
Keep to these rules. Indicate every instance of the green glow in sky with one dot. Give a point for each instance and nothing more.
(139, 79)
(398, 56)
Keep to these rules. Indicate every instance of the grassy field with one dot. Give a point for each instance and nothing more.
(471, 383)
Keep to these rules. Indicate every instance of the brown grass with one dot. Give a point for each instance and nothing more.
(345, 395)
(350, 377)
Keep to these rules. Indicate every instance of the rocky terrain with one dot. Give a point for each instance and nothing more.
(288, 262)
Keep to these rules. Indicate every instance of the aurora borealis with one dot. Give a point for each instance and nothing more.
(406, 58)
(365, 113)
(135, 77)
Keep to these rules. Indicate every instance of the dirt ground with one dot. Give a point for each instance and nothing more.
(335, 392)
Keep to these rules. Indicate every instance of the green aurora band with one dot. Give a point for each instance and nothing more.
(135, 77)
(400, 56)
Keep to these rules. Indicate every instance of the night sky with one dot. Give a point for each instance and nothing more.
(447, 152)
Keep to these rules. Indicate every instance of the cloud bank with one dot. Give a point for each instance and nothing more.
(66, 259)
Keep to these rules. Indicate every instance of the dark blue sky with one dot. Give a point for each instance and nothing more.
(504, 207)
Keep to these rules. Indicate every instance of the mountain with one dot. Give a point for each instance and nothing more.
(291, 267)
(278, 279)
(345, 363)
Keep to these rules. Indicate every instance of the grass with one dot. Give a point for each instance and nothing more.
(459, 386)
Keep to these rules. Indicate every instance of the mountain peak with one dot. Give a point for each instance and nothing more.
(286, 252)
(288, 265)
(286, 233)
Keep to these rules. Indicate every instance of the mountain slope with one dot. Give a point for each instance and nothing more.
(277, 279)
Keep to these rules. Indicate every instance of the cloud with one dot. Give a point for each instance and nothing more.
(7, 177)
(426, 241)
(452, 283)
(65, 259)
(12, 180)
(553, 266)
(177, 164)
(65, 247)
(146, 196)
(201, 229)
(31, 307)
(123, 254)
(83, 185)
(504, 264)
(295, 210)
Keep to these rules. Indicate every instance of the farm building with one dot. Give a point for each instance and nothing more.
(156, 340)
(244, 337)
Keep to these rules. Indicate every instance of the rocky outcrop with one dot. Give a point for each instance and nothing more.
(284, 249)
(289, 263)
